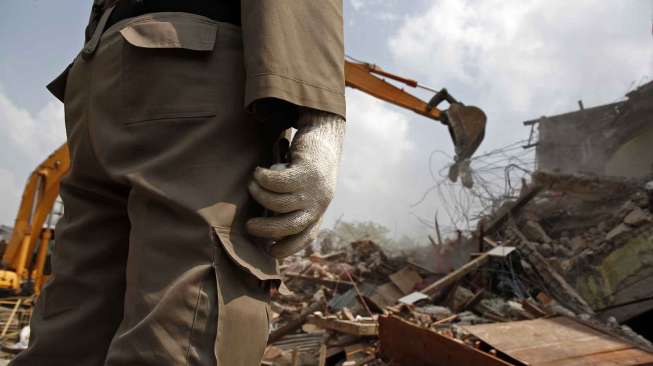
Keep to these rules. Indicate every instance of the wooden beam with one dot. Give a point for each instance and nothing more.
(501, 218)
(434, 289)
(357, 328)
(294, 324)
(11, 318)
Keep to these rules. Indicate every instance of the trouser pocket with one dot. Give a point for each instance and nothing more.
(243, 319)
(169, 69)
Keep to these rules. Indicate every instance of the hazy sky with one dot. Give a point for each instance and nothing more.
(516, 59)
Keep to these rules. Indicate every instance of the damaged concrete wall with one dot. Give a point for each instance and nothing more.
(634, 159)
(620, 280)
(598, 232)
(565, 144)
(606, 140)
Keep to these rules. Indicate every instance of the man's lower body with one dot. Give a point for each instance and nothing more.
(151, 264)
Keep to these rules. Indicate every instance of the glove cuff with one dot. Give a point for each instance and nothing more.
(313, 118)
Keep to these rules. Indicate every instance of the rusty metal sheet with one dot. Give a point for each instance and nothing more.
(406, 344)
(559, 342)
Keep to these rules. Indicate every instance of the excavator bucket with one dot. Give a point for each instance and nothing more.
(467, 129)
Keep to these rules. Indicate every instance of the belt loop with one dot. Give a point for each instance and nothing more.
(91, 45)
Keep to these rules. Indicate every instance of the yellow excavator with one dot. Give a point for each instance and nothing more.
(23, 266)
(25, 255)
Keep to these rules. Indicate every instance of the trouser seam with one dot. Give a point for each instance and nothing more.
(89, 123)
(91, 141)
(218, 294)
(192, 328)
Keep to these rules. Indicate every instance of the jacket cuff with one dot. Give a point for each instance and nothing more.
(294, 91)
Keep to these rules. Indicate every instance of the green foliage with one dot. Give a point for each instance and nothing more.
(344, 233)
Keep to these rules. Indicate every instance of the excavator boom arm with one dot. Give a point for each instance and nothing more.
(359, 76)
(466, 123)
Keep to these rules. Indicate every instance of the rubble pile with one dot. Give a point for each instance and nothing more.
(596, 233)
(15, 314)
(540, 264)
(554, 276)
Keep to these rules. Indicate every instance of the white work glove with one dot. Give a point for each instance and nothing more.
(301, 191)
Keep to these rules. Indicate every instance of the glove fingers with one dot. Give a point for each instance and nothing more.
(280, 181)
(278, 227)
(277, 202)
(293, 244)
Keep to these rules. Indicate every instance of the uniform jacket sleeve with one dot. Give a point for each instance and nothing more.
(294, 51)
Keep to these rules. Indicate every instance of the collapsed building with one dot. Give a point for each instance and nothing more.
(612, 243)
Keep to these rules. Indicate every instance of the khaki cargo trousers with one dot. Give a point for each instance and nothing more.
(151, 264)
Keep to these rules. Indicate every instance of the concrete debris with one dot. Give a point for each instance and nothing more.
(637, 217)
(618, 231)
(15, 314)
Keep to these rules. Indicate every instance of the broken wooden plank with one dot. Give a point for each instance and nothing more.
(407, 344)
(385, 295)
(567, 295)
(434, 289)
(323, 354)
(533, 309)
(493, 243)
(406, 279)
(294, 324)
(507, 212)
(478, 296)
(445, 320)
(357, 328)
(11, 318)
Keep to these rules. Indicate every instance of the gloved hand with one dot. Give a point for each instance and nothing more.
(301, 191)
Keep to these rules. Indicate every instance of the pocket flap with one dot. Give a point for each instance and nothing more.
(190, 35)
(58, 86)
(248, 255)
